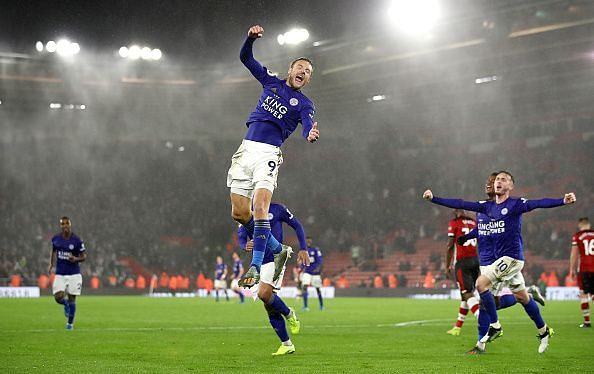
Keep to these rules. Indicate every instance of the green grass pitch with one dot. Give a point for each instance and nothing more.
(175, 335)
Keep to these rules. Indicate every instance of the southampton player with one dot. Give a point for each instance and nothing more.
(582, 248)
(466, 268)
(271, 276)
(311, 274)
(505, 231)
(220, 282)
(66, 254)
(254, 169)
(237, 273)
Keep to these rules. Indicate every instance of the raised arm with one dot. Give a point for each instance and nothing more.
(247, 56)
(569, 198)
(455, 203)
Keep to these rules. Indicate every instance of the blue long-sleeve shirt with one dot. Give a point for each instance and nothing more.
(277, 215)
(504, 226)
(280, 108)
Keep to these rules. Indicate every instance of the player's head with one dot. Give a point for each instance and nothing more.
(458, 213)
(219, 260)
(309, 241)
(65, 225)
(584, 223)
(490, 185)
(300, 72)
(504, 183)
(235, 256)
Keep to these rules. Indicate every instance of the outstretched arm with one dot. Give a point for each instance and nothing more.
(455, 203)
(569, 198)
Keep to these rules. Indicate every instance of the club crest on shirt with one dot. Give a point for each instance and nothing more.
(504, 211)
(293, 101)
(270, 216)
(71, 246)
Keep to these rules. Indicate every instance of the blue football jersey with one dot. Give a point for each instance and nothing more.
(505, 225)
(219, 271)
(315, 261)
(65, 247)
(237, 267)
(280, 108)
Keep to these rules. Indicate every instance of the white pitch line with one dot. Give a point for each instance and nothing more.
(230, 328)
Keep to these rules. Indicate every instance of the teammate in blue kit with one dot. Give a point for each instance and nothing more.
(66, 254)
(254, 167)
(273, 270)
(486, 254)
(504, 229)
(237, 273)
(220, 282)
(311, 274)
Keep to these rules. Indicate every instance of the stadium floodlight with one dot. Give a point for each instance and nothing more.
(134, 52)
(145, 53)
(488, 79)
(294, 36)
(39, 46)
(376, 98)
(82, 107)
(124, 52)
(74, 48)
(181, 148)
(55, 105)
(156, 54)
(51, 46)
(63, 47)
(414, 17)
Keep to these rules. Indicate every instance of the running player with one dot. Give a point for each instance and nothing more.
(66, 254)
(271, 276)
(254, 169)
(311, 275)
(486, 254)
(505, 231)
(582, 248)
(466, 266)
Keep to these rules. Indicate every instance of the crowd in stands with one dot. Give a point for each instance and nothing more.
(168, 209)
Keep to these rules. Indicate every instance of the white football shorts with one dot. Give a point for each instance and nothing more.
(70, 284)
(505, 272)
(254, 165)
(311, 280)
(220, 284)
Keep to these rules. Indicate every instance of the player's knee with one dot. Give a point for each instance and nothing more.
(522, 297)
(265, 294)
(58, 297)
(240, 215)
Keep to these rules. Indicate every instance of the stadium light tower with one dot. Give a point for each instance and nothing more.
(414, 17)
